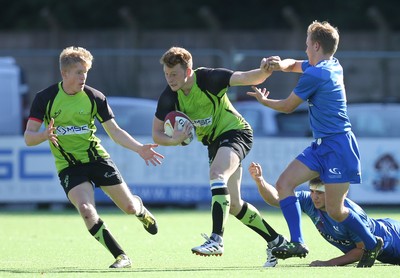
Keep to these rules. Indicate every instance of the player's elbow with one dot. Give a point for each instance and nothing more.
(28, 140)
(28, 143)
(287, 109)
(273, 202)
(157, 139)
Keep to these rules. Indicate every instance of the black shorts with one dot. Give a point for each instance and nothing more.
(98, 173)
(239, 140)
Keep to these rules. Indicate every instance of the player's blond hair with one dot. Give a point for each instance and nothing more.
(177, 55)
(72, 55)
(325, 34)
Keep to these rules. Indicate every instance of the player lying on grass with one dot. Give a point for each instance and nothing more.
(313, 204)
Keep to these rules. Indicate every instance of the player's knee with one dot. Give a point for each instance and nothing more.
(216, 175)
(283, 187)
(87, 210)
(336, 214)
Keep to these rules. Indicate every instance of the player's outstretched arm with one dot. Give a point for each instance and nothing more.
(287, 105)
(149, 155)
(124, 139)
(350, 257)
(287, 65)
(266, 190)
(251, 77)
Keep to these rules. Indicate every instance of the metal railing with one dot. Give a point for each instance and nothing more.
(137, 72)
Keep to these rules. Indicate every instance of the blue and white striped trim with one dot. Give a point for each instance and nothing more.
(215, 184)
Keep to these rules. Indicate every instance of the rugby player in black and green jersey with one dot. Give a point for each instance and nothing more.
(201, 94)
(68, 110)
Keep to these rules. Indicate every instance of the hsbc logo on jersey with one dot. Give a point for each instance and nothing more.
(71, 130)
(202, 122)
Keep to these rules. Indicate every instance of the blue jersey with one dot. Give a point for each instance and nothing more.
(344, 239)
(323, 88)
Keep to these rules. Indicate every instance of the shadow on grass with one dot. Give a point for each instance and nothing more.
(133, 270)
(73, 270)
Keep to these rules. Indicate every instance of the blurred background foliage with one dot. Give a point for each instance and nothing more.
(25, 15)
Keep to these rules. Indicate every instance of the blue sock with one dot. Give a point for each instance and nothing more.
(291, 210)
(354, 223)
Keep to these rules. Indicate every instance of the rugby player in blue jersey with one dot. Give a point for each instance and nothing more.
(334, 154)
(312, 203)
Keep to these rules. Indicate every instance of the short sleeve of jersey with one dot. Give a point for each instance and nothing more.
(42, 98)
(37, 108)
(308, 82)
(213, 80)
(167, 102)
(104, 111)
(306, 203)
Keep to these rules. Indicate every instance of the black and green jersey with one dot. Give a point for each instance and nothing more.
(207, 104)
(74, 117)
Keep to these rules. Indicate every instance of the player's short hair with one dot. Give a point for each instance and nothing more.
(72, 55)
(317, 184)
(177, 55)
(326, 34)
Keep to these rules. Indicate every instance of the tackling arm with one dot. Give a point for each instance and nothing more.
(286, 65)
(251, 77)
(266, 190)
(350, 257)
(286, 105)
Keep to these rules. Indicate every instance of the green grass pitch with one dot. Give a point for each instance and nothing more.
(57, 244)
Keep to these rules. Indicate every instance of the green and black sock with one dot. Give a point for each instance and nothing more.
(220, 204)
(100, 232)
(252, 218)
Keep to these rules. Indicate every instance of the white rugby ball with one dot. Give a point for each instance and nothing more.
(181, 118)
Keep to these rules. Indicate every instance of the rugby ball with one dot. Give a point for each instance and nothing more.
(181, 118)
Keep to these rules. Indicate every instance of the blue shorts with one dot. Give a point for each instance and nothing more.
(336, 158)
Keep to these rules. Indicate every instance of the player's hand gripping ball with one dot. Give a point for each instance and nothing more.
(181, 118)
